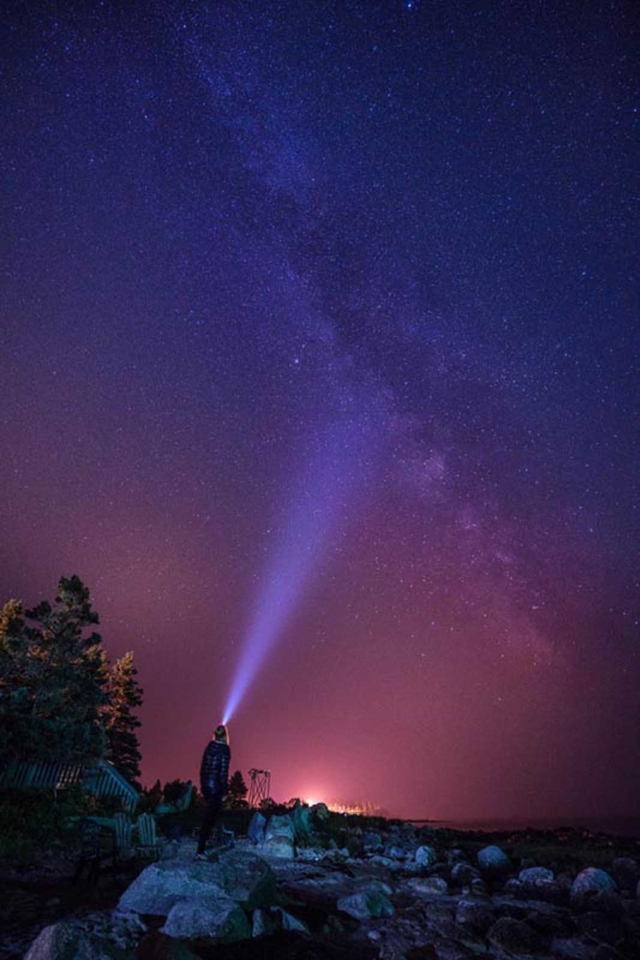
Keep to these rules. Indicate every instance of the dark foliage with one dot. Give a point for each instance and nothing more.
(237, 793)
(59, 698)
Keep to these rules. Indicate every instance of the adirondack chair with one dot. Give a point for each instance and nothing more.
(124, 837)
(150, 846)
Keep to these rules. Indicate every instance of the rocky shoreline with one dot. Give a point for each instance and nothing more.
(313, 884)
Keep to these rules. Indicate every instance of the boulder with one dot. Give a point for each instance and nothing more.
(455, 855)
(279, 838)
(479, 887)
(300, 816)
(463, 873)
(161, 885)
(364, 906)
(444, 949)
(366, 885)
(533, 875)
(395, 852)
(432, 886)
(588, 884)
(372, 842)
(568, 948)
(69, 941)
(386, 862)
(262, 923)
(219, 919)
(493, 861)
(247, 878)
(560, 923)
(476, 914)
(256, 828)
(320, 812)
(601, 928)
(626, 872)
(289, 922)
(241, 875)
(425, 856)
(514, 888)
(513, 936)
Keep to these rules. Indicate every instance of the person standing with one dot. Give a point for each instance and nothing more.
(214, 780)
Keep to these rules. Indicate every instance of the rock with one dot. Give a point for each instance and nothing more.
(533, 875)
(365, 885)
(560, 923)
(447, 950)
(395, 852)
(551, 891)
(433, 886)
(217, 919)
(385, 862)
(247, 878)
(301, 818)
(425, 856)
(493, 861)
(463, 873)
(241, 875)
(262, 923)
(587, 884)
(514, 888)
(320, 812)
(363, 906)
(626, 872)
(289, 922)
(607, 902)
(256, 828)
(69, 941)
(161, 885)
(570, 949)
(601, 928)
(477, 914)
(548, 890)
(479, 887)
(372, 842)
(455, 855)
(513, 936)
(279, 838)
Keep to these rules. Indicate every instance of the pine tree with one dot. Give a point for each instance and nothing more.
(237, 792)
(14, 688)
(124, 697)
(52, 684)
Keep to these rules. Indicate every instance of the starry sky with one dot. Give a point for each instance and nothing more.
(325, 314)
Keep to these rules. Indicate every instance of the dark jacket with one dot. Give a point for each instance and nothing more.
(214, 769)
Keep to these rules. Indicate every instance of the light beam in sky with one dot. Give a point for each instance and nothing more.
(325, 496)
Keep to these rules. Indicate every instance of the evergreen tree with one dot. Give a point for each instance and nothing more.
(124, 697)
(14, 684)
(52, 683)
(237, 792)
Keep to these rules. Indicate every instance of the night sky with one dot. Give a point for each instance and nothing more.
(319, 335)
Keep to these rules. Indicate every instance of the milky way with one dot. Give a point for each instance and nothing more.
(339, 298)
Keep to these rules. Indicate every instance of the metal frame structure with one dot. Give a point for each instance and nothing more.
(260, 786)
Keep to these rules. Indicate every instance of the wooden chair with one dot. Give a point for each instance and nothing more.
(150, 846)
(124, 837)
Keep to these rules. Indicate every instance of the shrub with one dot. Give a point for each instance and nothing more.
(34, 821)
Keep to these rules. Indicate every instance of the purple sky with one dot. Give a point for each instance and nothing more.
(319, 331)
